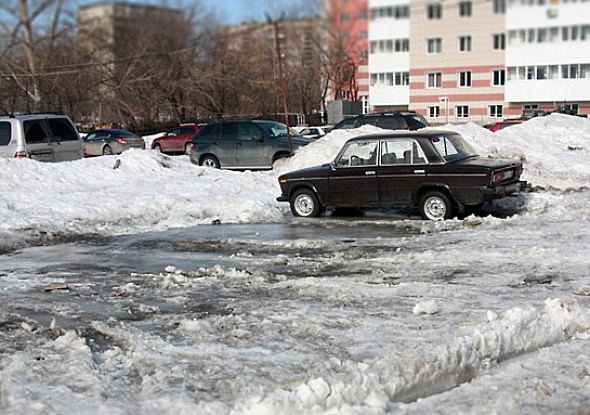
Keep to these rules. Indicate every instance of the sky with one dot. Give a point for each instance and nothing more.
(485, 315)
(232, 12)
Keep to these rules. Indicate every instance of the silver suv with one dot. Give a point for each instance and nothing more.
(43, 137)
(243, 144)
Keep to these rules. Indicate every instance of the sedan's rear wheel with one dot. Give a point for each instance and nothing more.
(107, 151)
(436, 206)
(305, 203)
(210, 161)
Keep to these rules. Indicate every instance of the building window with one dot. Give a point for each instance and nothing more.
(499, 6)
(402, 45)
(434, 80)
(390, 79)
(495, 111)
(433, 112)
(464, 79)
(498, 77)
(433, 46)
(499, 41)
(364, 55)
(465, 9)
(434, 11)
(464, 43)
(344, 17)
(462, 111)
(366, 106)
(363, 35)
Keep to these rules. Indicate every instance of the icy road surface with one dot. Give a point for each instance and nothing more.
(374, 315)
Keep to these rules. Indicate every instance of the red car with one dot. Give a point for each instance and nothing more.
(176, 141)
(503, 124)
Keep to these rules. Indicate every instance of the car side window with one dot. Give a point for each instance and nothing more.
(173, 133)
(62, 130)
(396, 152)
(34, 132)
(5, 133)
(358, 154)
(210, 132)
(396, 122)
(229, 131)
(249, 132)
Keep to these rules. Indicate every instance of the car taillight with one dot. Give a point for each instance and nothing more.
(120, 140)
(191, 148)
(502, 176)
(20, 155)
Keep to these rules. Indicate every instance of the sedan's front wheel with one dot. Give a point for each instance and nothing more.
(304, 203)
(436, 206)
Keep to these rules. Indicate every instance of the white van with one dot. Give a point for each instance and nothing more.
(43, 137)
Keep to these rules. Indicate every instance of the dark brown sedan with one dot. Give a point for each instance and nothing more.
(438, 171)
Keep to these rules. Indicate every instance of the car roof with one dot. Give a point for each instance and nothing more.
(428, 134)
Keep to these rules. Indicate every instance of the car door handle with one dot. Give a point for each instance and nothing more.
(369, 173)
(419, 171)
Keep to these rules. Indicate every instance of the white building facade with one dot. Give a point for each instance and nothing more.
(548, 56)
(479, 61)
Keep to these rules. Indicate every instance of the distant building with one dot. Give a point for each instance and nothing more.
(547, 56)
(116, 35)
(348, 32)
(480, 61)
(114, 30)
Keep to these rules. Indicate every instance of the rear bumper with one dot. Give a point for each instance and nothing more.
(498, 191)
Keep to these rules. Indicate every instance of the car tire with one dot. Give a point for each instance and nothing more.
(210, 161)
(436, 206)
(304, 203)
(107, 151)
(158, 148)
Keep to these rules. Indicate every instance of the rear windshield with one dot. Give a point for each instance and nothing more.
(416, 121)
(453, 147)
(5, 133)
(276, 129)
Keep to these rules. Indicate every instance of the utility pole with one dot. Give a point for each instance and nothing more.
(275, 24)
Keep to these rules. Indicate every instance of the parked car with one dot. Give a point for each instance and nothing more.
(313, 132)
(243, 144)
(111, 141)
(177, 140)
(502, 124)
(346, 123)
(437, 171)
(43, 137)
(387, 120)
(393, 120)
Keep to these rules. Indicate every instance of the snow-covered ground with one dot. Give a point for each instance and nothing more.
(481, 316)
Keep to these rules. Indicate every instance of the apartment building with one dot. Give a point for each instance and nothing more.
(348, 32)
(480, 61)
(547, 56)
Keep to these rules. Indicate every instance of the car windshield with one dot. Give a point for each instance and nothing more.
(453, 147)
(276, 129)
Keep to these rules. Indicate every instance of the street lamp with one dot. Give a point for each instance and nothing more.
(275, 24)
(446, 102)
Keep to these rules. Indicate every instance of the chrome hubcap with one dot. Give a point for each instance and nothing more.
(304, 205)
(435, 208)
